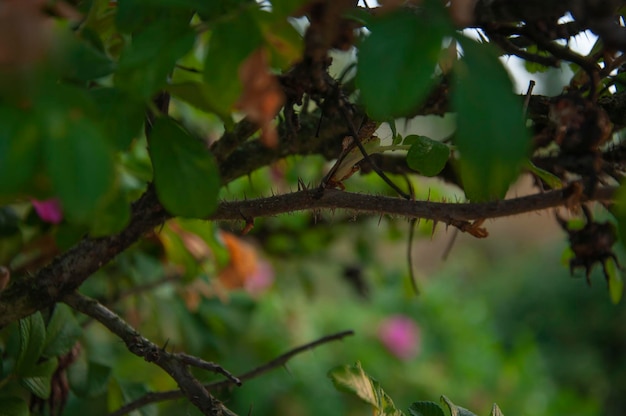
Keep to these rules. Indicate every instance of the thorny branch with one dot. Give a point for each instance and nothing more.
(238, 156)
(176, 365)
(455, 214)
(255, 372)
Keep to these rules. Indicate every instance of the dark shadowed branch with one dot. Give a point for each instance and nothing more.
(174, 364)
(270, 365)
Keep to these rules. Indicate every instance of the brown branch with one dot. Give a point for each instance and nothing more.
(262, 369)
(173, 364)
(447, 213)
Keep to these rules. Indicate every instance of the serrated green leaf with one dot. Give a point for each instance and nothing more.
(231, 42)
(427, 156)
(495, 411)
(615, 281)
(32, 337)
(38, 381)
(146, 63)
(88, 378)
(454, 409)
(80, 164)
(185, 175)
(396, 85)
(353, 379)
(62, 331)
(14, 406)
(121, 115)
(491, 135)
(425, 408)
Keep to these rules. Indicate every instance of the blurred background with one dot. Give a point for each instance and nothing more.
(497, 320)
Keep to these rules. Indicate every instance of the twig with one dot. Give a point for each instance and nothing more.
(133, 291)
(276, 362)
(176, 367)
(529, 94)
(510, 49)
(366, 157)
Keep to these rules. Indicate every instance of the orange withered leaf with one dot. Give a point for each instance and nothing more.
(262, 96)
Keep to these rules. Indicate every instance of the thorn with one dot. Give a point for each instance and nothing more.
(249, 223)
(435, 222)
(165, 345)
(380, 219)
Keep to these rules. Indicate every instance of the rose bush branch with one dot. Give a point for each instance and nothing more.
(176, 366)
(279, 361)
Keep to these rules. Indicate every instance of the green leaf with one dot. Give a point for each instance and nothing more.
(88, 378)
(185, 175)
(619, 210)
(285, 43)
(394, 84)
(32, 332)
(454, 409)
(553, 181)
(14, 406)
(123, 392)
(20, 152)
(62, 330)
(112, 218)
(137, 15)
(81, 61)
(425, 408)
(198, 95)
(38, 381)
(615, 281)
(231, 42)
(534, 67)
(491, 135)
(495, 411)
(353, 379)
(121, 115)
(146, 63)
(427, 156)
(80, 164)
(285, 8)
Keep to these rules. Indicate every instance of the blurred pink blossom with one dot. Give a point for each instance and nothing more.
(261, 279)
(49, 210)
(401, 336)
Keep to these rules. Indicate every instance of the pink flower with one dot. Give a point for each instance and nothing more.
(401, 336)
(261, 279)
(49, 210)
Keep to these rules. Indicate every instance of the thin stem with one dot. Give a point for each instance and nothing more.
(255, 372)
